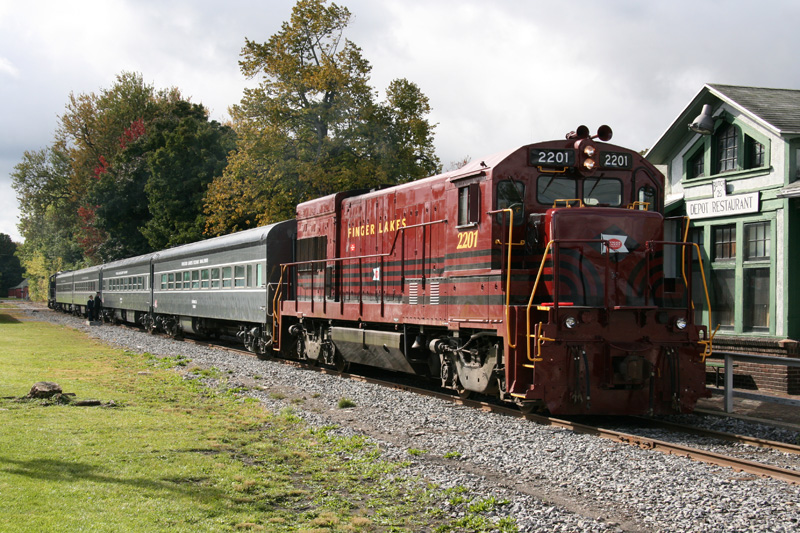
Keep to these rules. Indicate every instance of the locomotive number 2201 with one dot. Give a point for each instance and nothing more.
(467, 239)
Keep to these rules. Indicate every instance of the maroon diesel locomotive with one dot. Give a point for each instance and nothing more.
(541, 275)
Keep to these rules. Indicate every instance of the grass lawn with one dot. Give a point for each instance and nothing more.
(169, 454)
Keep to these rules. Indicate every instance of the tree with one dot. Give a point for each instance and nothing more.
(126, 174)
(184, 153)
(107, 185)
(48, 215)
(10, 268)
(313, 126)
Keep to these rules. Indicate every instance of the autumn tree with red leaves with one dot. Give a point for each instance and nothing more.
(125, 176)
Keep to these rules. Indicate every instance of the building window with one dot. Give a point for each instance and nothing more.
(697, 165)
(757, 241)
(725, 243)
(726, 149)
(723, 287)
(756, 299)
(754, 153)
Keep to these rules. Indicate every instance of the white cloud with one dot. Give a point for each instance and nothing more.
(8, 68)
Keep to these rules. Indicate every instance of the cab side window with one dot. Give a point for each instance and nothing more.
(511, 195)
(469, 204)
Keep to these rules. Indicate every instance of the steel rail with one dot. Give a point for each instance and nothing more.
(721, 435)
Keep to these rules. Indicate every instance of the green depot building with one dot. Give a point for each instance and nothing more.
(732, 162)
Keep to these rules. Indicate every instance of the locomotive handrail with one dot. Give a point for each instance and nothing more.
(707, 343)
(508, 270)
(634, 205)
(567, 202)
(538, 335)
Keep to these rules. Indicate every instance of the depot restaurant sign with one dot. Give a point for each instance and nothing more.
(722, 204)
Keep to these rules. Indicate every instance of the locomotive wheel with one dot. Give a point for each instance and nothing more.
(340, 363)
(462, 392)
(263, 351)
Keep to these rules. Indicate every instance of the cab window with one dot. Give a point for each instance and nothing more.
(550, 188)
(469, 205)
(511, 195)
(605, 192)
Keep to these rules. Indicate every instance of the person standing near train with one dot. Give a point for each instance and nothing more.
(90, 309)
(98, 307)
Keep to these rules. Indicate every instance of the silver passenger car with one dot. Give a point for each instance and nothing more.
(74, 287)
(127, 285)
(224, 284)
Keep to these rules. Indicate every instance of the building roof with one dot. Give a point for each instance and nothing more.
(775, 109)
(779, 108)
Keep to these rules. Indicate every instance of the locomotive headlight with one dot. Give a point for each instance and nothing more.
(570, 322)
(588, 164)
(681, 323)
(589, 151)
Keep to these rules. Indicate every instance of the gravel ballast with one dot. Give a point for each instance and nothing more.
(553, 479)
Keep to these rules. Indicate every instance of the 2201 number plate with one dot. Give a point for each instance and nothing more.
(616, 160)
(552, 157)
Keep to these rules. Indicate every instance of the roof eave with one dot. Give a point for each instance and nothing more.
(660, 151)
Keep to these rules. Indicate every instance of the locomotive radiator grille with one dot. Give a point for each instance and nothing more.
(413, 293)
(434, 300)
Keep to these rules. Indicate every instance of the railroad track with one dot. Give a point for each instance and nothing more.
(696, 454)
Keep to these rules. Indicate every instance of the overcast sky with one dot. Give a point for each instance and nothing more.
(499, 74)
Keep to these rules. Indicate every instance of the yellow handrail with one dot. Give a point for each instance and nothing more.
(528, 311)
(508, 270)
(276, 315)
(567, 202)
(636, 204)
(708, 343)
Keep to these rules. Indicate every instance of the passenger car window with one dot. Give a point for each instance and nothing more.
(238, 276)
